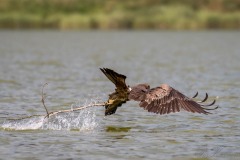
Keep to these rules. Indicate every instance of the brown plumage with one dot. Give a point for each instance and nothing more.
(162, 100)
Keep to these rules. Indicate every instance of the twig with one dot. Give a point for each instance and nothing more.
(57, 112)
(75, 109)
(61, 111)
(43, 100)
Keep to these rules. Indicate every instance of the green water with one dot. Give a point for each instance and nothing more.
(70, 61)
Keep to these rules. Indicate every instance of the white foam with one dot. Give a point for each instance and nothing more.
(24, 124)
(82, 120)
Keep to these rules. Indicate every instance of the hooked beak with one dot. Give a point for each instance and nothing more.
(129, 88)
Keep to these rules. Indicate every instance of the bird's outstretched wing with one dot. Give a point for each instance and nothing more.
(165, 99)
(120, 95)
(116, 78)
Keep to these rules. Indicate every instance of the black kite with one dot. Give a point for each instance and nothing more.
(161, 100)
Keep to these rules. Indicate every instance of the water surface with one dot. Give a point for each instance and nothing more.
(69, 62)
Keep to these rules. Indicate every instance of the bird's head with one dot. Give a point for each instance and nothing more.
(138, 92)
(141, 87)
(144, 86)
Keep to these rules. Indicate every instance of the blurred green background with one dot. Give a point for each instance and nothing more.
(120, 14)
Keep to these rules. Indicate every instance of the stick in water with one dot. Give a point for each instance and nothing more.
(75, 109)
(43, 99)
(61, 111)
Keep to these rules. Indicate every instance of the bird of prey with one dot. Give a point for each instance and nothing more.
(161, 100)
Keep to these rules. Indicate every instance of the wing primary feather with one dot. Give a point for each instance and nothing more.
(210, 108)
(191, 106)
(195, 95)
(196, 107)
(149, 107)
(153, 107)
(183, 105)
(116, 78)
(161, 110)
(209, 104)
(206, 97)
(177, 107)
(107, 75)
(165, 108)
(173, 106)
(175, 103)
(169, 108)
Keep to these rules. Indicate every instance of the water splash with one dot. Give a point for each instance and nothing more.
(24, 124)
(82, 120)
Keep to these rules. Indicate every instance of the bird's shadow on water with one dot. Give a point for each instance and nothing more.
(117, 129)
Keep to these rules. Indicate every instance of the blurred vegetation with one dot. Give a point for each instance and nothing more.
(120, 14)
